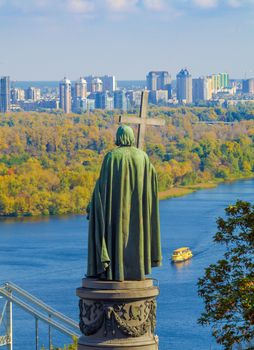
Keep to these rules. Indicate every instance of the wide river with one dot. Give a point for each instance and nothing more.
(47, 257)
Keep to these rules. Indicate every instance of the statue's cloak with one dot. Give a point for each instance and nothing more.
(124, 229)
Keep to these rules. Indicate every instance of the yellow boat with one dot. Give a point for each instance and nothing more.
(181, 254)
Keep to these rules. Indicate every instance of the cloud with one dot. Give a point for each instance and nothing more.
(234, 3)
(80, 6)
(206, 4)
(119, 9)
(155, 5)
(239, 3)
(122, 5)
(31, 6)
(51, 7)
(224, 4)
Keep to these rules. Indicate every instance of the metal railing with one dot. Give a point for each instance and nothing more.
(35, 307)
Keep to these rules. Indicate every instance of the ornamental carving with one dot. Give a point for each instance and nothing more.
(131, 319)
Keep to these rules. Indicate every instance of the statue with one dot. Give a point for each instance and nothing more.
(124, 228)
(117, 303)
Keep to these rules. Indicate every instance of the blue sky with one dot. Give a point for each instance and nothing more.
(48, 39)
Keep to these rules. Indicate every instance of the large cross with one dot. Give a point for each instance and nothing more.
(142, 120)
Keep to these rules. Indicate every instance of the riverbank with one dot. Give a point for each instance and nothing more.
(185, 190)
(172, 192)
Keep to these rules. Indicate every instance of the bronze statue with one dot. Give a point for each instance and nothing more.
(124, 228)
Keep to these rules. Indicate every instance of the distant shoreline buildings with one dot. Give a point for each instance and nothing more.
(184, 87)
(91, 92)
(5, 98)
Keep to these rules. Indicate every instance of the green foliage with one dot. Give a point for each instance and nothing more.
(73, 346)
(227, 287)
(49, 162)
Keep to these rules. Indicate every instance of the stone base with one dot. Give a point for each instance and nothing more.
(142, 344)
(117, 315)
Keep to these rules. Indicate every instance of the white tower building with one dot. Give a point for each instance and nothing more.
(65, 95)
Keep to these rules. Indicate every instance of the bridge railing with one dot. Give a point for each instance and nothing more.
(13, 294)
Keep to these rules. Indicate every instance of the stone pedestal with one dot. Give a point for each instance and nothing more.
(117, 315)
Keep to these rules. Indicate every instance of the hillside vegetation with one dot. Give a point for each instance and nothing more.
(49, 162)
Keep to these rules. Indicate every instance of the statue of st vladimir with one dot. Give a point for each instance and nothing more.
(124, 228)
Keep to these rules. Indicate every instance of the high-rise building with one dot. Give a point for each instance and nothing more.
(79, 94)
(110, 103)
(208, 89)
(80, 89)
(157, 80)
(33, 94)
(163, 80)
(5, 94)
(224, 80)
(120, 100)
(219, 81)
(104, 101)
(198, 90)
(109, 82)
(168, 87)
(134, 97)
(151, 81)
(65, 95)
(201, 89)
(89, 80)
(78, 104)
(84, 104)
(158, 97)
(184, 86)
(215, 83)
(97, 85)
(248, 86)
(90, 104)
(17, 95)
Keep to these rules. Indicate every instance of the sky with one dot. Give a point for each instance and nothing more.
(50, 39)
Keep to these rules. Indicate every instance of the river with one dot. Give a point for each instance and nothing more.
(47, 257)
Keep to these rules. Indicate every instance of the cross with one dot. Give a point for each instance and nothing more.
(142, 120)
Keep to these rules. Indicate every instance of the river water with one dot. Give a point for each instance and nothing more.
(47, 257)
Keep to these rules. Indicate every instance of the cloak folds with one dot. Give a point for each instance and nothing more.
(124, 229)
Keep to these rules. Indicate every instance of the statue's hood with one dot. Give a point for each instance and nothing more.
(125, 136)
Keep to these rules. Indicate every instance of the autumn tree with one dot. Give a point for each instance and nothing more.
(227, 287)
(49, 162)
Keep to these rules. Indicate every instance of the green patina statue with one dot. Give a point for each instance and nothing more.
(124, 227)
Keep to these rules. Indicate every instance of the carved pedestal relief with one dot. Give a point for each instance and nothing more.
(132, 319)
(117, 315)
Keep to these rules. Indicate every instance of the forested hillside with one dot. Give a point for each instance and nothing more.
(49, 162)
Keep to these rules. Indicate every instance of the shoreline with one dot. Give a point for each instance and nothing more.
(175, 192)
(182, 191)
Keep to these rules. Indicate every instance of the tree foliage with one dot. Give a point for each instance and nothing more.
(73, 346)
(227, 287)
(49, 163)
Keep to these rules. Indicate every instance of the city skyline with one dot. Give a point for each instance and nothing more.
(93, 92)
(89, 76)
(123, 38)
